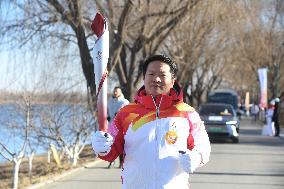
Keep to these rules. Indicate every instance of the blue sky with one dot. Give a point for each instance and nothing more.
(34, 67)
(9, 72)
(31, 68)
(21, 72)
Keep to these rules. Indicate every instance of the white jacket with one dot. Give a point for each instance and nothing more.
(150, 139)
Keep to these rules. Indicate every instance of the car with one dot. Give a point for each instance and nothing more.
(226, 96)
(220, 120)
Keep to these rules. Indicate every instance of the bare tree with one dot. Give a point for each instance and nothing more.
(201, 49)
(138, 29)
(259, 35)
(67, 126)
(62, 25)
(66, 24)
(17, 157)
(141, 28)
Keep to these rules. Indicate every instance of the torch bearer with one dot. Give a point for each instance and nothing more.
(100, 56)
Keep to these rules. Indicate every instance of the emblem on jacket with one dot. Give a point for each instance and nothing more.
(171, 136)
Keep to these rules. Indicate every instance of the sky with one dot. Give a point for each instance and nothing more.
(31, 68)
(10, 73)
(20, 72)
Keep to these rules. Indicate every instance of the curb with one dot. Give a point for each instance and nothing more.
(55, 178)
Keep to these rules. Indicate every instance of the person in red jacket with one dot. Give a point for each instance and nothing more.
(162, 138)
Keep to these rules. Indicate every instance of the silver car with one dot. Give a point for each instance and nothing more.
(220, 120)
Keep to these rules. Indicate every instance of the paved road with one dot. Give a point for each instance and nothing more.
(257, 162)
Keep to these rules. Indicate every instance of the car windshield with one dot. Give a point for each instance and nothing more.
(223, 98)
(214, 110)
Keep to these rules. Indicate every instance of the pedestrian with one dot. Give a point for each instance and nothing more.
(114, 105)
(275, 117)
(254, 111)
(162, 138)
(269, 129)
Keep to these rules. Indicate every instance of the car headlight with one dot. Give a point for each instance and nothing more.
(231, 122)
(233, 130)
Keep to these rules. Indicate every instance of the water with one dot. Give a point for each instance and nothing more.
(45, 120)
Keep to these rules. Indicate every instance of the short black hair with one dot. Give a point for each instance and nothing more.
(116, 87)
(163, 58)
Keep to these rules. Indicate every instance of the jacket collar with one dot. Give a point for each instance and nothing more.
(175, 95)
(119, 98)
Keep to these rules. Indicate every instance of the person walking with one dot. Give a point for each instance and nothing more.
(275, 117)
(114, 105)
(254, 112)
(162, 138)
(269, 129)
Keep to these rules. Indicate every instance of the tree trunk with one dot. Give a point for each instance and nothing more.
(73, 155)
(16, 167)
(31, 166)
(75, 159)
(86, 60)
(48, 156)
(129, 88)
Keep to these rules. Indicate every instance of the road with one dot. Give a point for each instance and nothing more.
(257, 162)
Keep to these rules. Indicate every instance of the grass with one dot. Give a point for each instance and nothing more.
(41, 169)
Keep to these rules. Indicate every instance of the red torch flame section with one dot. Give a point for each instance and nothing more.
(98, 25)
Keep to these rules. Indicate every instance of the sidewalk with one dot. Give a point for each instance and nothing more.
(57, 177)
(247, 120)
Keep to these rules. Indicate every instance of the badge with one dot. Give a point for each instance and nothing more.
(171, 137)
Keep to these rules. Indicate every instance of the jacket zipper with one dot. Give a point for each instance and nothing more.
(156, 138)
(157, 107)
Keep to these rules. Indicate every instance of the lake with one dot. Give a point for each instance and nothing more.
(46, 120)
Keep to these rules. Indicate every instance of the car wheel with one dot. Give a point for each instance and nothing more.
(235, 140)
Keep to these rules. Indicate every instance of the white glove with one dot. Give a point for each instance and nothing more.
(189, 160)
(101, 143)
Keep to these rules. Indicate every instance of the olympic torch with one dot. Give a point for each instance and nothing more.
(100, 56)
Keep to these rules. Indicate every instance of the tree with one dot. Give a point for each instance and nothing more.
(245, 34)
(62, 25)
(203, 56)
(66, 24)
(138, 30)
(17, 157)
(259, 42)
(66, 126)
